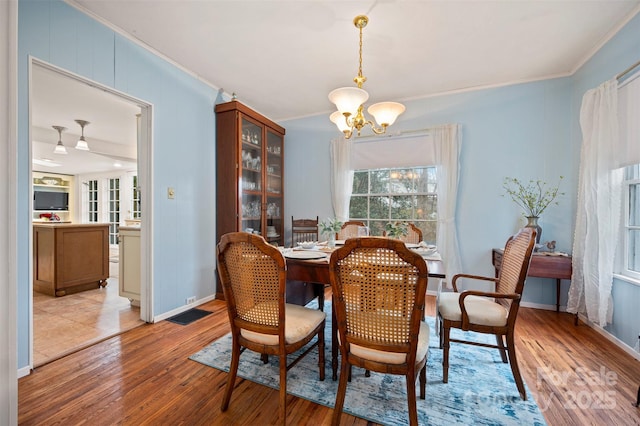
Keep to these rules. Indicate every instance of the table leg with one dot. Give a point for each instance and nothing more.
(558, 285)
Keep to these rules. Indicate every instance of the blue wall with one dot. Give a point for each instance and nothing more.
(183, 147)
(529, 131)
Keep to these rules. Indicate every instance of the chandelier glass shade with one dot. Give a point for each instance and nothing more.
(349, 117)
(60, 149)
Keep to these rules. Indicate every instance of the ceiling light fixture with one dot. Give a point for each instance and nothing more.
(350, 100)
(82, 144)
(60, 149)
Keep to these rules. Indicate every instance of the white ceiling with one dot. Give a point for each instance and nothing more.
(283, 57)
(58, 100)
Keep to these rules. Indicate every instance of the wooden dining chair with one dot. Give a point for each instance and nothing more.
(303, 230)
(350, 229)
(379, 291)
(253, 276)
(490, 312)
(414, 234)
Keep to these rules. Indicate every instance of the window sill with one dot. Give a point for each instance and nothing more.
(627, 279)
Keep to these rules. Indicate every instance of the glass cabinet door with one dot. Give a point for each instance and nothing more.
(251, 182)
(274, 189)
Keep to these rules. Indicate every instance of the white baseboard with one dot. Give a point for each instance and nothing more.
(184, 308)
(24, 371)
(542, 306)
(610, 337)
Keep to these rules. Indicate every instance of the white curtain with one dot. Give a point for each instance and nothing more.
(598, 206)
(446, 142)
(341, 177)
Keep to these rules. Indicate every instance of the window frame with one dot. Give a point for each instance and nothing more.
(627, 227)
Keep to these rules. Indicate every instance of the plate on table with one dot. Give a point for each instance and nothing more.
(412, 245)
(305, 254)
(339, 242)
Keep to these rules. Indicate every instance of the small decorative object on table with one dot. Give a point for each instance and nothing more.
(330, 227)
(396, 229)
(534, 198)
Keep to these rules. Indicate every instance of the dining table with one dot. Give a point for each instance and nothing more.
(317, 271)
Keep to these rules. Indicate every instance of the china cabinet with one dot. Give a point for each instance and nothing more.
(249, 154)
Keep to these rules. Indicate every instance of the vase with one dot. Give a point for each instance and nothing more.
(331, 241)
(532, 222)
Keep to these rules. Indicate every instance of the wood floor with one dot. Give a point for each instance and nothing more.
(144, 377)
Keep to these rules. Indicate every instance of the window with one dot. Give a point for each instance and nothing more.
(114, 210)
(135, 202)
(92, 199)
(406, 194)
(632, 221)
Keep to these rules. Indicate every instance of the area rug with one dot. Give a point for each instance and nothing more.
(187, 317)
(481, 389)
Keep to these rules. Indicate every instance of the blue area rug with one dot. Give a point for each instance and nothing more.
(481, 389)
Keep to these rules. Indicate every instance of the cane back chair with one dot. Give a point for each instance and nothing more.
(490, 312)
(379, 291)
(253, 276)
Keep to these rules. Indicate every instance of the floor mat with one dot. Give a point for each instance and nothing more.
(189, 316)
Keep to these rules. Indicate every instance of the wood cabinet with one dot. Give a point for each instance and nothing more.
(249, 180)
(68, 258)
(129, 263)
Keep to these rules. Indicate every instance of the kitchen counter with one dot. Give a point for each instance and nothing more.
(68, 257)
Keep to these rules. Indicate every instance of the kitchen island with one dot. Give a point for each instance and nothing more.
(68, 257)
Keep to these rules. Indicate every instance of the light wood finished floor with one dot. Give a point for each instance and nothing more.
(63, 325)
(144, 377)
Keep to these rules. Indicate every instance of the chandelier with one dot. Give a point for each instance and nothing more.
(350, 100)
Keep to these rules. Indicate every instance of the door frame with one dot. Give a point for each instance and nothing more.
(145, 179)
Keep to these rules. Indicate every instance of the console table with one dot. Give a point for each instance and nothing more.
(542, 266)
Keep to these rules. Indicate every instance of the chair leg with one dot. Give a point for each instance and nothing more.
(511, 347)
(423, 381)
(445, 354)
(441, 333)
(411, 399)
(321, 352)
(283, 388)
(231, 377)
(342, 390)
(500, 342)
(264, 358)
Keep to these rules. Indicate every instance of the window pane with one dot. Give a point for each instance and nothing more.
(401, 181)
(380, 181)
(634, 204)
(402, 206)
(426, 180)
(376, 227)
(379, 208)
(360, 182)
(428, 231)
(358, 208)
(426, 207)
(634, 254)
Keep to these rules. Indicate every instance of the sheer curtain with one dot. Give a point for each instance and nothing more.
(446, 142)
(341, 177)
(598, 206)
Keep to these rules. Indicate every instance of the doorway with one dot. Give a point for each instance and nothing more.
(116, 128)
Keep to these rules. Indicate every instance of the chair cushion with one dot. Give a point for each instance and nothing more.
(395, 357)
(481, 310)
(299, 322)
